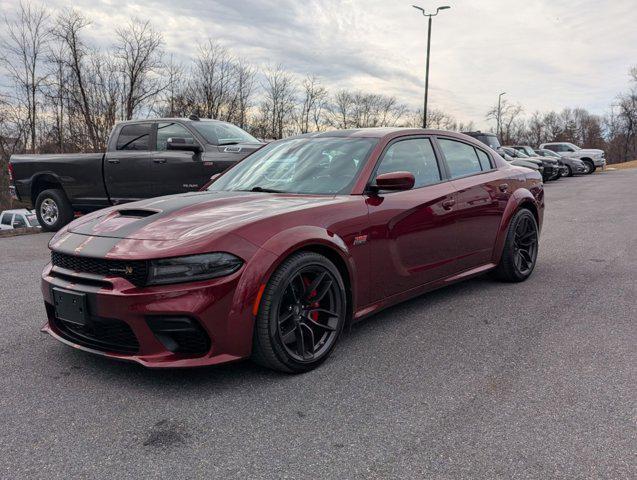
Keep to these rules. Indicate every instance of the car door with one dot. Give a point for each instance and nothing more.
(19, 221)
(127, 165)
(175, 171)
(482, 192)
(411, 231)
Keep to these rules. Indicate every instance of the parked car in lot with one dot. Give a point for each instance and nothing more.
(574, 166)
(18, 218)
(592, 157)
(527, 150)
(144, 158)
(289, 245)
(551, 171)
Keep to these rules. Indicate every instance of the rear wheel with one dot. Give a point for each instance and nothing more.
(569, 171)
(53, 210)
(520, 248)
(301, 314)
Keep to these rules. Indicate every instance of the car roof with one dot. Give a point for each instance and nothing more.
(378, 132)
(169, 119)
(18, 210)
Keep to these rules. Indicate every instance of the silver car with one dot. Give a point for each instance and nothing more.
(592, 157)
(574, 166)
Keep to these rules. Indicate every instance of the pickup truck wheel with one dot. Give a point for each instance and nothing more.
(53, 210)
(590, 166)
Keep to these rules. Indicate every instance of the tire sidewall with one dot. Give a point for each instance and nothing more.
(510, 242)
(65, 215)
(276, 287)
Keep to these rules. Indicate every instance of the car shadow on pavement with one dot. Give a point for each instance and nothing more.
(250, 375)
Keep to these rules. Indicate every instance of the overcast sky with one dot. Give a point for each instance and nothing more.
(546, 54)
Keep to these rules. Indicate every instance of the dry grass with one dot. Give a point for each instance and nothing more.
(621, 166)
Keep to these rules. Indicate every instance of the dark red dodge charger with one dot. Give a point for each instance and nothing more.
(286, 247)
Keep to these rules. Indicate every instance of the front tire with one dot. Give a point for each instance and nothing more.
(301, 314)
(520, 248)
(53, 210)
(591, 166)
(569, 171)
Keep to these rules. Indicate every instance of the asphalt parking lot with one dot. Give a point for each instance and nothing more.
(480, 380)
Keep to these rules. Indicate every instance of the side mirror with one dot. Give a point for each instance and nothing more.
(395, 181)
(181, 144)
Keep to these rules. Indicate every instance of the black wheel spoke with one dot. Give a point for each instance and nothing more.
(285, 317)
(320, 325)
(309, 347)
(314, 285)
(290, 336)
(323, 310)
(323, 291)
(300, 342)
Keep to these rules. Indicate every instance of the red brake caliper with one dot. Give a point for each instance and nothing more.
(314, 315)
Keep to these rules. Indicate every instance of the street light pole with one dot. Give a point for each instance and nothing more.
(424, 114)
(499, 113)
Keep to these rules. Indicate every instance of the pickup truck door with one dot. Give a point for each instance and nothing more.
(127, 166)
(175, 171)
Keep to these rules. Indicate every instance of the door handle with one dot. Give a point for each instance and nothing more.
(447, 204)
(113, 160)
(159, 160)
(503, 187)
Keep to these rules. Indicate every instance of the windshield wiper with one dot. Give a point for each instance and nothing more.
(265, 190)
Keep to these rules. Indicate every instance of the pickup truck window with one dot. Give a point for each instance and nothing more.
(6, 218)
(134, 137)
(172, 130)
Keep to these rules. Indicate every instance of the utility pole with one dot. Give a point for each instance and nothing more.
(498, 127)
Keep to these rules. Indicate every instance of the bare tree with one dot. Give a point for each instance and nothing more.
(68, 30)
(361, 110)
(23, 53)
(277, 107)
(314, 100)
(507, 117)
(139, 52)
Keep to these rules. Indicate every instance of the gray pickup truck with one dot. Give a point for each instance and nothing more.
(144, 158)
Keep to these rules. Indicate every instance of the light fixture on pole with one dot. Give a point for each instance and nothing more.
(445, 7)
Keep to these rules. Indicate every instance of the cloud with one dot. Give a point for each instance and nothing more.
(546, 54)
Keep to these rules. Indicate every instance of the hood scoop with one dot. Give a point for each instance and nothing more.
(136, 213)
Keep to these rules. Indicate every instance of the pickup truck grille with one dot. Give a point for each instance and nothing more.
(135, 271)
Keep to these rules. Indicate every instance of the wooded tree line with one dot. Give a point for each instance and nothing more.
(63, 94)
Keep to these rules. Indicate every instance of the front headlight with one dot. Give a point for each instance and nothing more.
(192, 268)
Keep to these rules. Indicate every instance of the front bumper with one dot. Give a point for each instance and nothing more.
(599, 162)
(122, 319)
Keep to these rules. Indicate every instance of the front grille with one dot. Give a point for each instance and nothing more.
(106, 334)
(135, 271)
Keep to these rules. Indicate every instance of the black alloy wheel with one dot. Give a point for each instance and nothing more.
(301, 314)
(519, 255)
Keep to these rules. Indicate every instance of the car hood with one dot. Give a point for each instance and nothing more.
(589, 151)
(193, 215)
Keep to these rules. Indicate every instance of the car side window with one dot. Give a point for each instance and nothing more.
(462, 158)
(172, 130)
(6, 218)
(415, 155)
(18, 222)
(485, 161)
(134, 137)
(555, 148)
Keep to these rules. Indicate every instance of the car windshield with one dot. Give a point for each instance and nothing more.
(221, 133)
(574, 147)
(520, 154)
(490, 140)
(323, 166)
(549, 153)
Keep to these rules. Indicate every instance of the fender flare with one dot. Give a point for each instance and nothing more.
(521, 197)
(266, 259)
(47, 176)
